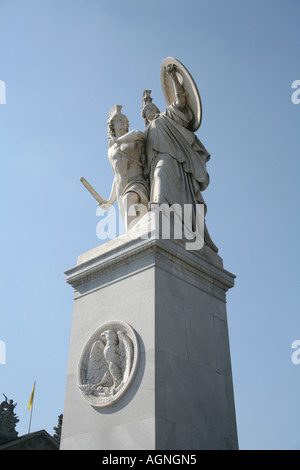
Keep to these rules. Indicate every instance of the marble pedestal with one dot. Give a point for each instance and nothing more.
(181, 397)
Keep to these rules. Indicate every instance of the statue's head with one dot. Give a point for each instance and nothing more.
(109, 335)
(117, 123)
(149, 110)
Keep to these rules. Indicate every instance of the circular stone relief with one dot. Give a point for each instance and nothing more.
(108, 364)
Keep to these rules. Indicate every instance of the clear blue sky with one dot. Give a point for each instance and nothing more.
(65, 63)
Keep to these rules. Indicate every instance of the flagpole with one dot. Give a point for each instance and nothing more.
(31, 409)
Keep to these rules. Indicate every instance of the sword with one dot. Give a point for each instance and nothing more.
(90, 188)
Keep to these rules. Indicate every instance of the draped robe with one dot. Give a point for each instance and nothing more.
(176, 161)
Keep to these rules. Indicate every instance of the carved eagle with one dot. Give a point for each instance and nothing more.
(110, 362)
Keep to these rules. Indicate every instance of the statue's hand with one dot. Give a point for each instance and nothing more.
(106, 205)
(112, 138)
(171, 69)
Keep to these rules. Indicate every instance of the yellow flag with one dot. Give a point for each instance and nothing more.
(31, 398)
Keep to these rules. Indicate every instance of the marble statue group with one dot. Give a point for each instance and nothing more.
(165, 164)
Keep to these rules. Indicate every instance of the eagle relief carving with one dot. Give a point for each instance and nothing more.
(108, 364)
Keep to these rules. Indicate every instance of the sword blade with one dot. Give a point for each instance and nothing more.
(91, 190)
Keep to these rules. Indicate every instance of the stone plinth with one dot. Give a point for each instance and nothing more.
(181, 396)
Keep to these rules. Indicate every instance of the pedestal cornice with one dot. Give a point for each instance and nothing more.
(134, 255)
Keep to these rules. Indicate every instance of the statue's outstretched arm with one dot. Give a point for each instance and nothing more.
(113, 193)
(180, 102)
(106, 204)
(131, 136)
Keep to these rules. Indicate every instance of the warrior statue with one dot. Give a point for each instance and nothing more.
(126, 157)
(175, 157)
(165, 165)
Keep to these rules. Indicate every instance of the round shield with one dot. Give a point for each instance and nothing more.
(190, 88)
